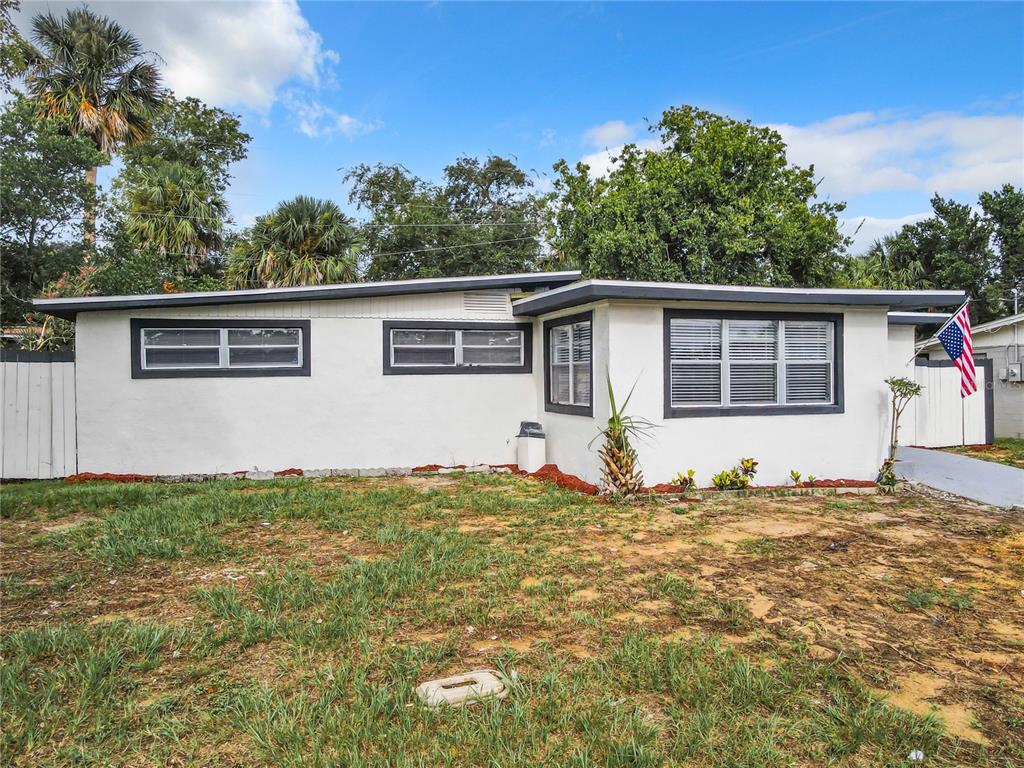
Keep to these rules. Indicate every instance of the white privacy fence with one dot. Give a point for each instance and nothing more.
(940, 417)
(37, 390)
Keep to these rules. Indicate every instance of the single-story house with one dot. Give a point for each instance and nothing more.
(1002, 342)
(442, 371)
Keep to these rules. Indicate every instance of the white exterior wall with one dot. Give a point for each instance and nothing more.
(846, 445)
(346, 414)
(901, 363)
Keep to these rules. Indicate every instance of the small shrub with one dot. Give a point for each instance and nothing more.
(794, 476)
(887, 476)
(748, 467)
(686, 481)
(731, 480)
(811, 479)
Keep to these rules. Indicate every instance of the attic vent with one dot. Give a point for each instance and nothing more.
(486, 302)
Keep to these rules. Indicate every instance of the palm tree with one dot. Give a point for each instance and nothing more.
(304, 241)
(94, 75)
(176, 210)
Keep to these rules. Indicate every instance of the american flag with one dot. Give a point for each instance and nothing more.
(956, 339)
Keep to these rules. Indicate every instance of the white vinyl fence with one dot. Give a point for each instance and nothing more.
(941, 417)
(37, 390)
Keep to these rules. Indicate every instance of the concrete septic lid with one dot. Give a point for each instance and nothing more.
(460, 690)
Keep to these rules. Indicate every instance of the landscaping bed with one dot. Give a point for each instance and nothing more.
(287, 623)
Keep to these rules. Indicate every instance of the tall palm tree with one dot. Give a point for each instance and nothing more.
(176, 210)
(95, 75)
(304, 241)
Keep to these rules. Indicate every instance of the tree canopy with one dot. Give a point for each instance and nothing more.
(716, 202)
(485, 217)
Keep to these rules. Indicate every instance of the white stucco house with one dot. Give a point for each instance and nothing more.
(401, 374)
(1002, 342)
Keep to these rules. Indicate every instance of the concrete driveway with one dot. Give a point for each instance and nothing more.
(983, 481)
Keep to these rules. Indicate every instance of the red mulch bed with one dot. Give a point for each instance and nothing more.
(84, 477)
(435, 467)
(553, 474)
(293, 472)
(669, 488)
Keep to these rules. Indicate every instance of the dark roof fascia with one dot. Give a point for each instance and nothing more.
(586, 293)
(69, 308)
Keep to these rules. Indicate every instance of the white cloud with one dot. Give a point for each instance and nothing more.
(314, 119)
(607, 134)
(866, 229)
(235, 54)
(947, 152)
(601, 163)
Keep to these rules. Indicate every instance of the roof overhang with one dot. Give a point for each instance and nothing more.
(70, 307)
(918, 318)
(598, 290)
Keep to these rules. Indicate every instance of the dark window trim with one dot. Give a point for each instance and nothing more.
(990, 403)
(753, 410)
(139, 324)
(550, 407)
(457, 325)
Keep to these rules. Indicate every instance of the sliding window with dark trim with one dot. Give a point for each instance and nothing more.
(419, 347)
(569, 365)
(752, 363)
(168, 349)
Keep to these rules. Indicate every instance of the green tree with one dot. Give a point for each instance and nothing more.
(175, 210)
(12, 47)
(1004, 208)
(949, 250)
(42, 194)
(189, 132)
(717, 202)
(94, 74)
(304, 241)
(484, 218)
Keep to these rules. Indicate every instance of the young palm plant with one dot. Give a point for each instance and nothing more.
(620, 470)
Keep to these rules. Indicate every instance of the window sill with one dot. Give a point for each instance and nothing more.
(571, 410)
(430, 370)
(751, 410)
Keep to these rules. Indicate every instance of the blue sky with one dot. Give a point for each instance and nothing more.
(891, 102)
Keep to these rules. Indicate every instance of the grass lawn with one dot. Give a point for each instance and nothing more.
(1006, 450)
(286, 623)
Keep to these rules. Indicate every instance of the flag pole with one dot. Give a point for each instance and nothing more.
(935, 335)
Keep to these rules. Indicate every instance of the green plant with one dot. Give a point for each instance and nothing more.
(731, 480)
(748, 467)
(794, 476)
(887, 476)
(811, 479)
(621, 473)
(903, 391)
(686, 481)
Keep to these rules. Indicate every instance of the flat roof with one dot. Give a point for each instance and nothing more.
(919, 318)
(68, 308)
(588, 291)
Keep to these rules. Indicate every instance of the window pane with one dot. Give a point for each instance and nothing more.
(428, 337)
(491, 356)
(808, 383)
(199, 357)
(808, 340)
(560, 344)
(581, 342)
(181, 337)
(492, 338)
(581, 385)
(258, 336)
(263, 356)
(695, 339)
(752, 340)
(749, 384)
(696, 384)
(423, 355)
(560, 384)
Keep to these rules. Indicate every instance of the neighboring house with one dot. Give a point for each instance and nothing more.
(1002, 342)
(443, 371)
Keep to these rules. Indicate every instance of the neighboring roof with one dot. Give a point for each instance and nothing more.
(991, 325)
(68, 308)
(919, 318)
(596, 290)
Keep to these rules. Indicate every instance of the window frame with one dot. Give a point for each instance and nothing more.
(682, 412)
(550, 407)
(138, 325)
(390, 369)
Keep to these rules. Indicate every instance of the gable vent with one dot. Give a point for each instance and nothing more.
(486, 302)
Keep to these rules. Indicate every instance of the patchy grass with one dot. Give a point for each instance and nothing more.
(1005, 450)
(287, 623)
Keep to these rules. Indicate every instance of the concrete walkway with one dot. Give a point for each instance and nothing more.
(984, 481)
